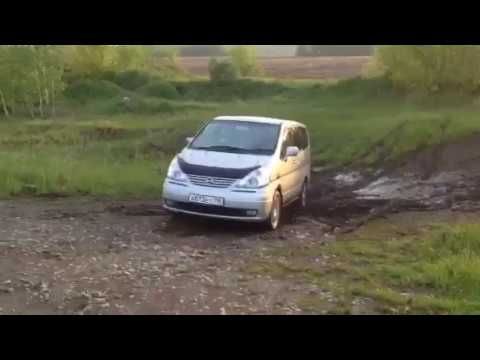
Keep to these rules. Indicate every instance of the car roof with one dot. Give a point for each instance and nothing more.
(259, 119)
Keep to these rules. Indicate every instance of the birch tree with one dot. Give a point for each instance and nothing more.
(30, 78)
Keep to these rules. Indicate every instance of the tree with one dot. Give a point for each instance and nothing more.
(91, 61)
(222, 72)
(132, 57)
(6, 83)
(48, 73)
(167, 64)
(244, 58)
(30, 76)
(170, 57)
(431, 68)
(16, 77)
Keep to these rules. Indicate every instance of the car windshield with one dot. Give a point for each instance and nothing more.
(238, 137)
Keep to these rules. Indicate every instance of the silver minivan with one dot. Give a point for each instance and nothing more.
(241, 168)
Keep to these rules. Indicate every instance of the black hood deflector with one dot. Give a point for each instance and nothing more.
(200, 170)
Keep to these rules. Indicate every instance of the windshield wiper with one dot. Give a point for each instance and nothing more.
(268, 151)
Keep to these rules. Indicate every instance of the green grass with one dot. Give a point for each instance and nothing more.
(441, 269)
(415, 269)
(79, 173)
(118, 157)
(102, 148)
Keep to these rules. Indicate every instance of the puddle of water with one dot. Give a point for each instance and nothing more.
(410, 187)
(348, 179)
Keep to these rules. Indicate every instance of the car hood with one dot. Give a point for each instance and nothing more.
(223, 160)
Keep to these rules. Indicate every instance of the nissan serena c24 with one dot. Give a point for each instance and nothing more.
(241, 168)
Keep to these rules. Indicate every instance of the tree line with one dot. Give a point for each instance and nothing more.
(429, 69)
(32, 76)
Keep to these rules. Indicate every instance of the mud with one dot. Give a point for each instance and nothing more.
(462, 156)
(88, 256)
(443, 177)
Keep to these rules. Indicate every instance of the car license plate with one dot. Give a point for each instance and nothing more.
(207, 200)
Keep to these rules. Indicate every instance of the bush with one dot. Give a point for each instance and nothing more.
(247, 89)
(432, 68)
(244, 58)
(108, 76)
(226, 91)
(83, 90)
(368, 88)
(139, 105)
(132, 79)
(222, 72)
(160, 89)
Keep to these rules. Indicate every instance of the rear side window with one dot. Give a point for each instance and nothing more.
(290, 140)
(301, 138)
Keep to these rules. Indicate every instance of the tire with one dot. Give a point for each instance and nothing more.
(275, 217)
(175, 216)
(303, 201)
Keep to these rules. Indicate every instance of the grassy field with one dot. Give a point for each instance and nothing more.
(99, 146)
(96, 148)
(411, 263)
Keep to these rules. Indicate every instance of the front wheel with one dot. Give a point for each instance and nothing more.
(303, 201)
(276, 211)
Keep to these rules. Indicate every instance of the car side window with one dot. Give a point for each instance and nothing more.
(298, 139)
(302, 138)
(289, 140)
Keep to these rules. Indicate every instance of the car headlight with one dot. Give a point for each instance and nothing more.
(255, 180)
(175, 173)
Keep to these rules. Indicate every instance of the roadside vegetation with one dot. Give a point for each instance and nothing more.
(105, 120)
(406, 264)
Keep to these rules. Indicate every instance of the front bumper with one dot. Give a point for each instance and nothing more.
(250, 206)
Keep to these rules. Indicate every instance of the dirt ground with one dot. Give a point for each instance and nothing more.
(321, 68)
(96, 257)
(90, 256)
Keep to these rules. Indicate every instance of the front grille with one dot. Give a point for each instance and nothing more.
(211, 210)
(208, 181)
(199, 170)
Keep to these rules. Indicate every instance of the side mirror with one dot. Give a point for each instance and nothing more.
(292, 151)
(189, 140)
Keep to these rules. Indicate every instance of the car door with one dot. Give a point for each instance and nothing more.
(288, 174)
(300, 161)
(304, 156)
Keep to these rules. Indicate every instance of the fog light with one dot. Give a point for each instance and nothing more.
(169, 203)
(251, 212)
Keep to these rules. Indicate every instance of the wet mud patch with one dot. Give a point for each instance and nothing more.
(443, 177)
